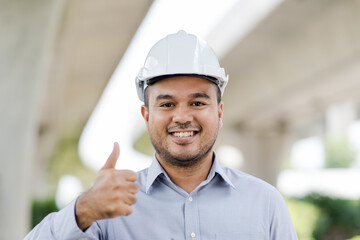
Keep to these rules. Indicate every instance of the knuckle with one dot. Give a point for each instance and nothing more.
(119, 196)
(133, 199)
(133, 175)
(120, 185)
(129, 199)
(130, 175)
(135, 187)
(128, 211)
(116, 197)
(109, 212)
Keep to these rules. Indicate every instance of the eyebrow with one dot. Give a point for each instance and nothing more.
(164, 96)
(199, 95)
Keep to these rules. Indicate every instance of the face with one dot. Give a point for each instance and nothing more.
(183, 118)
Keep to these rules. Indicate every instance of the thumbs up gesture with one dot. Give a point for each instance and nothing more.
(111, 195)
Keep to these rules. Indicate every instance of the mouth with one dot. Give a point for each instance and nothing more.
(184, 134)
(183, 137)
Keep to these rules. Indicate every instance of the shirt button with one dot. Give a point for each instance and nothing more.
(190, 200)
(193, 235)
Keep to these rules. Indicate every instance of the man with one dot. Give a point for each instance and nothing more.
(185, 193)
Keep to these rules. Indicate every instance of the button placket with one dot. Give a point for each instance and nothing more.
(191, 218)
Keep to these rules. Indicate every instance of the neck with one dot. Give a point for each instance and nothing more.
(188, 178)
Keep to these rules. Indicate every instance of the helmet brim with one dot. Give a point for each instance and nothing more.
(158, 78)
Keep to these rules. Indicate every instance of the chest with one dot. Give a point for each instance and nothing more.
(218, 214)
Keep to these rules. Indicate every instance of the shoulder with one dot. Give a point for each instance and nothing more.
(245, 182)
(256, 190)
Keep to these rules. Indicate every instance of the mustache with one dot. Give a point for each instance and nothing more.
(183, 126)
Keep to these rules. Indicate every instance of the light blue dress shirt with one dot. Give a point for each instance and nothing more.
(228, 205)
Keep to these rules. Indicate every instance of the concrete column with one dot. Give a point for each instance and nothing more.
(339, 117)
(26, 30)
(263, 151)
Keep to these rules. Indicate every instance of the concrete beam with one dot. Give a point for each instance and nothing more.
(304, 55)
(302, 58)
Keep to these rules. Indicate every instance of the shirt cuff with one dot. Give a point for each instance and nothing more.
(65, 226)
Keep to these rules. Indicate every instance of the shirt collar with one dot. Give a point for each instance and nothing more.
(156, 170)
(217, 168)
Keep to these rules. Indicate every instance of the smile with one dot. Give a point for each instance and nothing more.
(183, 134)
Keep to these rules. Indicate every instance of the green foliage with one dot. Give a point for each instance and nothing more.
(304, 216)
(338, 152)
(143, 144)
(41, 208)
(318, 217)
(355, 238)
(338, 218)
(66, 161)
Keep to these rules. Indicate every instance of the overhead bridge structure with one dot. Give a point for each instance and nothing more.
(56, 57)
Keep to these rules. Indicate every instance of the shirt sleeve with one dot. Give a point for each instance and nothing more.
(62, 225)
(281, 226)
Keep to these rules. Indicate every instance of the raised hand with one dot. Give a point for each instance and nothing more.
(111, 194)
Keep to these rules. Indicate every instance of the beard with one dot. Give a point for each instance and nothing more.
(185, 159)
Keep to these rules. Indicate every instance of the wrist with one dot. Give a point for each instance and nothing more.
(83, 219)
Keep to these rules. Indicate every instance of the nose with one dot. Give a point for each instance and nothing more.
(182, 114)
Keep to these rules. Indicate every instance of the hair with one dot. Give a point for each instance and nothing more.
(146, 97)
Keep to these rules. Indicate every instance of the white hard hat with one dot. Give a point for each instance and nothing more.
(180, 54)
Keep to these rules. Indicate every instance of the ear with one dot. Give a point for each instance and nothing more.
(145, 114)
(220, 114)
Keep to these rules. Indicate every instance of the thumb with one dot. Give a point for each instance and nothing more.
(111, 162)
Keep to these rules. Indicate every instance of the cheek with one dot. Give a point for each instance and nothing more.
(157, 121)
(210, 115)
(210, 119)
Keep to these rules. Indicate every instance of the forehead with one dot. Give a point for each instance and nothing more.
(182, 85)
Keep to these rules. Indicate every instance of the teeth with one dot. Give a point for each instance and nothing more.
(183, 134)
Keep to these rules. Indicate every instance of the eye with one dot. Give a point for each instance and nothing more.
(198, 104)
(167, 105)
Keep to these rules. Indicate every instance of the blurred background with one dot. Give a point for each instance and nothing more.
(291, 113)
